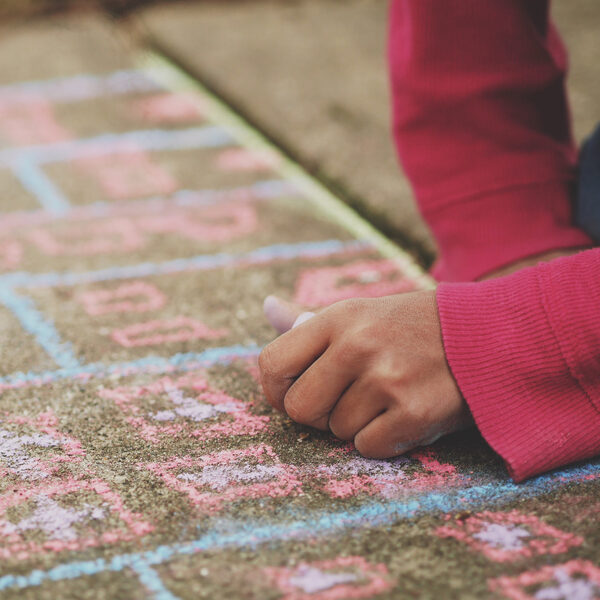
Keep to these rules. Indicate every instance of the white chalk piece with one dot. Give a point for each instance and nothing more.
(305, 316)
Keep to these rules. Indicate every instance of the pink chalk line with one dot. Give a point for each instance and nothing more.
(14, 446)
(31, 122)
(170, 108)
(13, 221)
(88, 239)
(128, 175)
(576, 579)
(135, 296)
(242, 159)
(509, 536)
(363, 279)
(337, 579)
(178, 329)
(194, 413)
(63, 526)
(214, 480)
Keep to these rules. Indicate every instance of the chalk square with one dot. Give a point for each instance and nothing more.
(573, 579)
(352, 475)
(185, 406)
(337, 579)
(221, 478)
(64, 514)
(358, 279)
(509, 536)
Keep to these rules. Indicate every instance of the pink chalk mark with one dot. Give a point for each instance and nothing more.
(170, 108)
(179, 329)
(88, 239)
(506, 537)
(363, 279)
(11, 254)
(16, 446)
(214, 480)
(58, 522)
(129, 175)
(194, 414)
(242, 159)
(431, 464)
(386, 478)
(337, 579)
(31, 122)
(217, 223)
(135, 296)
(576, 580)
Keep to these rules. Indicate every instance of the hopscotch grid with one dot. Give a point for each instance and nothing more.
(244, 534)
(25, 163)
(45, 333)
(46, 192)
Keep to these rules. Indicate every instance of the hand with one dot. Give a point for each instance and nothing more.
(370, 370)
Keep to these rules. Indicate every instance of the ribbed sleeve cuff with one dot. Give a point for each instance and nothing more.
(507, 361)
(480, 234)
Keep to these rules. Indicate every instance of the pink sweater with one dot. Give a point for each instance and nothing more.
(482, 128)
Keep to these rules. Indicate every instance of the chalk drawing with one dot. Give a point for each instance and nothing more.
(11, 254)
(215, 480)
(62, 526)
(391, 478)
(88, 238)
(118, 144)
(169, 108)
(32, 448)
(30, 122)
(186, 406)
(509, 536)
(129, 175)
(135, 296)
(78, 87)
(337, 579)
(242, 159)
(154, 333)
(218, 223)
(363, 279)
(573, 580)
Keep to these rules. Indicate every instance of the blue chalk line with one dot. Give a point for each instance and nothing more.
(114, 143)
(80, 87)
(201, 262)
(239, 534)
(42, 329)
(148, 364)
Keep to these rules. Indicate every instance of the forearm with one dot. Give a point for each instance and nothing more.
(525, 352)
(481, 126)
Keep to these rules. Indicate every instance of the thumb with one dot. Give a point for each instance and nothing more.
(284, 315)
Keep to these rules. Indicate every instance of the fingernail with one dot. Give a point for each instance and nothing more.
(278, 313)
(305, 316)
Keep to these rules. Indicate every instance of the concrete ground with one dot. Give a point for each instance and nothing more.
(142, 222)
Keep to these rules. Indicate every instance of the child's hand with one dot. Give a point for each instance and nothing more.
(372, 371)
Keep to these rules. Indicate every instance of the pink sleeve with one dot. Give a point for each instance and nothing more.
(525, 352)
(481, 126)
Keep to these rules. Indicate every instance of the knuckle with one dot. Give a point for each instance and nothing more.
(267, 363)
(340, 430)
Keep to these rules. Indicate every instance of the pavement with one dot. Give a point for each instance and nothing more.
(143, 222)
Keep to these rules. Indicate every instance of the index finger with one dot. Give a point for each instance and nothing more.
(282, 361)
